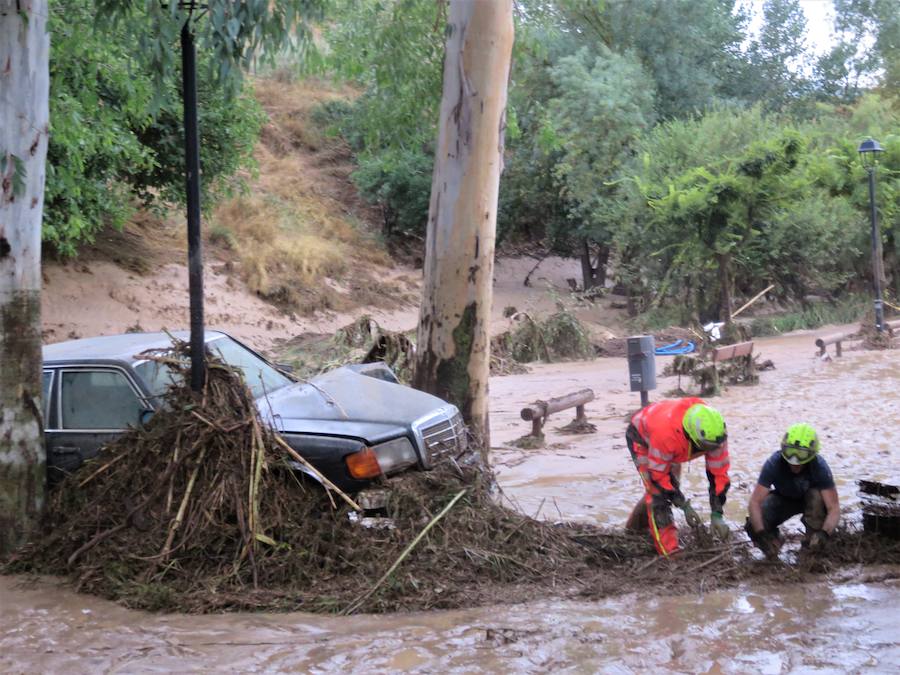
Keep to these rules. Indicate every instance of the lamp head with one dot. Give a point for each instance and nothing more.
(868, 151)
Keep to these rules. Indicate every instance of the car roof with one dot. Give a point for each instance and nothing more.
(115, 347)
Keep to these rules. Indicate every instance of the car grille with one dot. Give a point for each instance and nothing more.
(445, 437)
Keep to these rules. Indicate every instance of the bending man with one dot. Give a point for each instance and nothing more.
(663, 436)
(794, 480)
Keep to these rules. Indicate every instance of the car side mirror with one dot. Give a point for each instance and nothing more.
(145, 416)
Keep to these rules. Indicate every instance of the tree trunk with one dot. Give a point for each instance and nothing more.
(24, 113)
(587, 269)
(602, 262)
(727, 308)
(453, 354)
(593, 274)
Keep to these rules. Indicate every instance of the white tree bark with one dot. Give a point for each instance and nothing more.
(24, 116)
(453, 353)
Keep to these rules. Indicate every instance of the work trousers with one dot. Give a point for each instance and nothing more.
(776, 509)
(653, 512)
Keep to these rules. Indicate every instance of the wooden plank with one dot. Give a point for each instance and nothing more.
(732, 351)
(832, 338)
(540, 409)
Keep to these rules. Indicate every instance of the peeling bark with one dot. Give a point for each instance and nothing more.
(24, 89)
(453, 357)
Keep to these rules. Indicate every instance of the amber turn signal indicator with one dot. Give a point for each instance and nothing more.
(363, 464)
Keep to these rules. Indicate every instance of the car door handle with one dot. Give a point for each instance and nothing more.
(67, 450)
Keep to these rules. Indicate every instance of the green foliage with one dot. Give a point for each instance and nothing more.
(232, 32)
(737, 213)
(845, 310)
(558, 337)
(690, 48)
(97, 102)
(394, 50)
(105, 145)
(777, 58)
(604, 105)
(229, 128)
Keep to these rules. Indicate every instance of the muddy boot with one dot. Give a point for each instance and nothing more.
(637, 521)
(767, 542)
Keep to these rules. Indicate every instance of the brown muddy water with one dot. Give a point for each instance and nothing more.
(834, 628)
(848, 624)
(853, 402)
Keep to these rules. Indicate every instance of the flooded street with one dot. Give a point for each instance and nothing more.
(853, 402)
(846, 627)
(848, 624)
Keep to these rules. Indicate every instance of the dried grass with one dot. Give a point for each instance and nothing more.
(302, 221)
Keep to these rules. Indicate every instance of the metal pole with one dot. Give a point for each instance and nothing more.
(645, 398)
(192, 173)
(876, 249)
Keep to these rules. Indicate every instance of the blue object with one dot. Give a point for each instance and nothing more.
(675, 348)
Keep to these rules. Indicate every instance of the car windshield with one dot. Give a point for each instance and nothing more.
(261, 377)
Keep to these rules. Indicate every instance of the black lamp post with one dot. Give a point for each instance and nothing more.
(868, 153)
(192, 179)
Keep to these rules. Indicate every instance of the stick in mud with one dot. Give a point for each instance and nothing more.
(356, 604)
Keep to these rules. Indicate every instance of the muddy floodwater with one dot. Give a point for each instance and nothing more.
(839, 628)
(846, 623)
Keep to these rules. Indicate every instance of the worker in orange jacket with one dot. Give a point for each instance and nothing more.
(663, 436)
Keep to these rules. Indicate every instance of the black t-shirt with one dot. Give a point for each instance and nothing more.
(776, 475)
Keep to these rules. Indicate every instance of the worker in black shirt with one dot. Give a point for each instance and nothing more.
(794, 480)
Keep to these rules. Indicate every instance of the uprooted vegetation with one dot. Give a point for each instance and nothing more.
(559, 337)
(199, 512)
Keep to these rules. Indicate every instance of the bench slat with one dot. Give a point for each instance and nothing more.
(732, 351)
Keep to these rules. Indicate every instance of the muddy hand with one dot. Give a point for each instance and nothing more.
(693, 520)
(817, 540)
(719, 527)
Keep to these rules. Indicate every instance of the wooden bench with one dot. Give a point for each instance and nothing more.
(537, 412)
(727, 353)
(835, 339)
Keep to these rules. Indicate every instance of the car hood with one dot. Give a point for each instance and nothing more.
(346, 403)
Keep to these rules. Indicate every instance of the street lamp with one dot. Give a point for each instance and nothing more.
(868, 153)
(192, 184)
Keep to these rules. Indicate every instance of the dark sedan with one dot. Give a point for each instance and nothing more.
(354, 424)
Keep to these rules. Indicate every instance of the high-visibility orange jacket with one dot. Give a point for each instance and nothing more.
(663, 442)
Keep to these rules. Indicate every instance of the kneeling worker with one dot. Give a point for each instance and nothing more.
(794, 480)
(660, 438)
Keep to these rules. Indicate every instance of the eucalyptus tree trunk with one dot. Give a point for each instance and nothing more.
(453, 354)
(24, 88)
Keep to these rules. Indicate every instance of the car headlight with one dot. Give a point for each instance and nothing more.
(395, 455)
(384, 458)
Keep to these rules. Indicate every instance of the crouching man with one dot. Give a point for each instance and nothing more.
(795, 480)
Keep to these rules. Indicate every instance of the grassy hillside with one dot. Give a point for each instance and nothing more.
(300, 236)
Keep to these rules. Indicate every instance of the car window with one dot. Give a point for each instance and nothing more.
(98, 399)
(48, 380)
(261, 377)
(157, 376)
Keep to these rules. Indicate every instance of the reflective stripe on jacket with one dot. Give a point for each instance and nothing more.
(663, 442)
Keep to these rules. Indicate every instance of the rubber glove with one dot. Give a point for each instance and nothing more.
(693, 520)
(719, 527)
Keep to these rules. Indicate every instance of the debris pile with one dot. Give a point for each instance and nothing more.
(199, 511)
(559, 337)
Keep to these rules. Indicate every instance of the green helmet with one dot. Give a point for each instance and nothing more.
(705, 426)
(800, 444)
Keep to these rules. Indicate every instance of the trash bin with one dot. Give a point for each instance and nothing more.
(642, 363)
